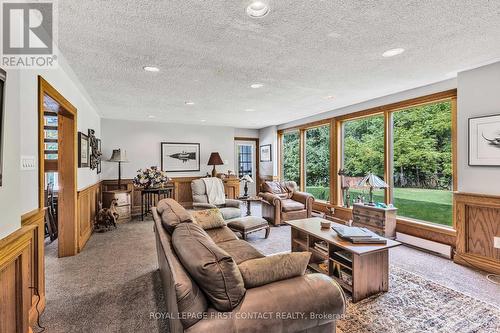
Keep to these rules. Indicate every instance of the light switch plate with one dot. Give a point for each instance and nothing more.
(28, 163)
(496, 242)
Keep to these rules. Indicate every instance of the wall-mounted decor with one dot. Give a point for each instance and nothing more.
(3, 76)
(94, 151)
(265, 153)
(484, 141)
(83, 150)
(99, 169)
(180, 157)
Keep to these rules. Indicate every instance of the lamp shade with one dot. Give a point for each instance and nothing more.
(215, 159)
(247, 178)
(373, 181)
(118, 156)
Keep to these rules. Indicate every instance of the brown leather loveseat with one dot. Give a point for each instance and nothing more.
(283, 202)
(188, 254)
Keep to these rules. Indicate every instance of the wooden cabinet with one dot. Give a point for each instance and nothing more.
(123, 199)
(379, 220)
(232, 187)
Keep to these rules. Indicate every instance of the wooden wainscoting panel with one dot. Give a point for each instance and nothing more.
(15, 280)
(36, 218)
(87, 199)
(477, 223)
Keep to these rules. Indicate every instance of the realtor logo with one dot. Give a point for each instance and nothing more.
(28, 34)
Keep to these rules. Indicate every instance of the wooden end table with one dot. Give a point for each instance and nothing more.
(151, 196)
(249, 201)
(361, 269)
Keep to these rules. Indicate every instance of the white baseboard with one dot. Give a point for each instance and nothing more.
(434, 247)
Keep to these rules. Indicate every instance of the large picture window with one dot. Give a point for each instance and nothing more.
(363, 152)
(291, 156)
(317, 162)
(422, 163)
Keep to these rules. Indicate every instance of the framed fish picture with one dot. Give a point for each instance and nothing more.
(484, 141)
(180, 157)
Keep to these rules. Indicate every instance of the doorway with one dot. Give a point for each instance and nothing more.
(247, 163)
(57, 166)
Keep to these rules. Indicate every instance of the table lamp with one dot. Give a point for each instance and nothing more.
(119, 157)
(247, 179)
(215, 160)
(372, 181)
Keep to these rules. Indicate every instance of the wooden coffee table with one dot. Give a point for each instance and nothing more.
(361, 269)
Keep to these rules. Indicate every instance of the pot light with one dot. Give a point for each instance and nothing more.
(203, 120)
(392, 52)
(256, 85)
(151, 116)
(257, 9)
(151, 69)
(189, 103)
(249, 110)
(329, 97)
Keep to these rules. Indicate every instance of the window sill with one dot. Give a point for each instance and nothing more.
(449, 231)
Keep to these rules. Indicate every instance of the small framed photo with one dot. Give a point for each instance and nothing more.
(83, 150)
(265, 153)
(100, 159)
(484, 141)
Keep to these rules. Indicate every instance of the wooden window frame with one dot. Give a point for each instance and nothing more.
(423, 228)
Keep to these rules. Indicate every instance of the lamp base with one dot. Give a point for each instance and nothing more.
(214, 172)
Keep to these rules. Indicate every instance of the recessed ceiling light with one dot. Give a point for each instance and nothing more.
(189, 103)
(151, 116)
(151, 69)
(392, 52)
(249, 110)
(329, 97)
(256, 85)
(257, 9)
(203, 120)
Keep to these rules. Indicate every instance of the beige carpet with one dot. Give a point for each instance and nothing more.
(113, 286)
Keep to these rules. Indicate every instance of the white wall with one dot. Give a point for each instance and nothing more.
(64, 81)
(478, 95)
(389, 99)
(268, 135)
(141, 140)
(10, 191)
(246, 133)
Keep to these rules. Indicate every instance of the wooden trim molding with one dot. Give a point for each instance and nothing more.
(36, 218)
(21, 269)
(87, 207)
(477, 222)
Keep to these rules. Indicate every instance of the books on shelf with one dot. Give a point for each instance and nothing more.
(346, 255)
(321, 246)
(358, 235)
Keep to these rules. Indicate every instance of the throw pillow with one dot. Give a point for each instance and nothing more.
(261, 271)
(172, 214)
(208, 218)
(213, 269)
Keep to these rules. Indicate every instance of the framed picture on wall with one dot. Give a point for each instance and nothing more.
(83, 150)
(265, 153)
(484, 141)
(100, 159)
(180, 157)
(3, 76)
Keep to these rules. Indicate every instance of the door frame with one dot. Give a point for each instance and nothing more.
(67, 221)
(257, 159)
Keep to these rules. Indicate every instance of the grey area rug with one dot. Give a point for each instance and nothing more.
(413, 303)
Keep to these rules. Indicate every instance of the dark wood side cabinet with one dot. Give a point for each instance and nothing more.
(379, 220)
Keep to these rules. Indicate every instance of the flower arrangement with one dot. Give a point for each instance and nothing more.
(150, 178)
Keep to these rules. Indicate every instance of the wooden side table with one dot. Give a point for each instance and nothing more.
(249, 201)
(123, 200)
(151, 196)
(379, 220)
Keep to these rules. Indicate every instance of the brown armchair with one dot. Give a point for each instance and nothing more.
(281, 201)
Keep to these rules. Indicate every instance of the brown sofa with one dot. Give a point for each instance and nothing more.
(281, 306)
(281, 201)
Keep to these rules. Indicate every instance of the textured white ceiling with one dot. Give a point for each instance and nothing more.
(209, 52)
